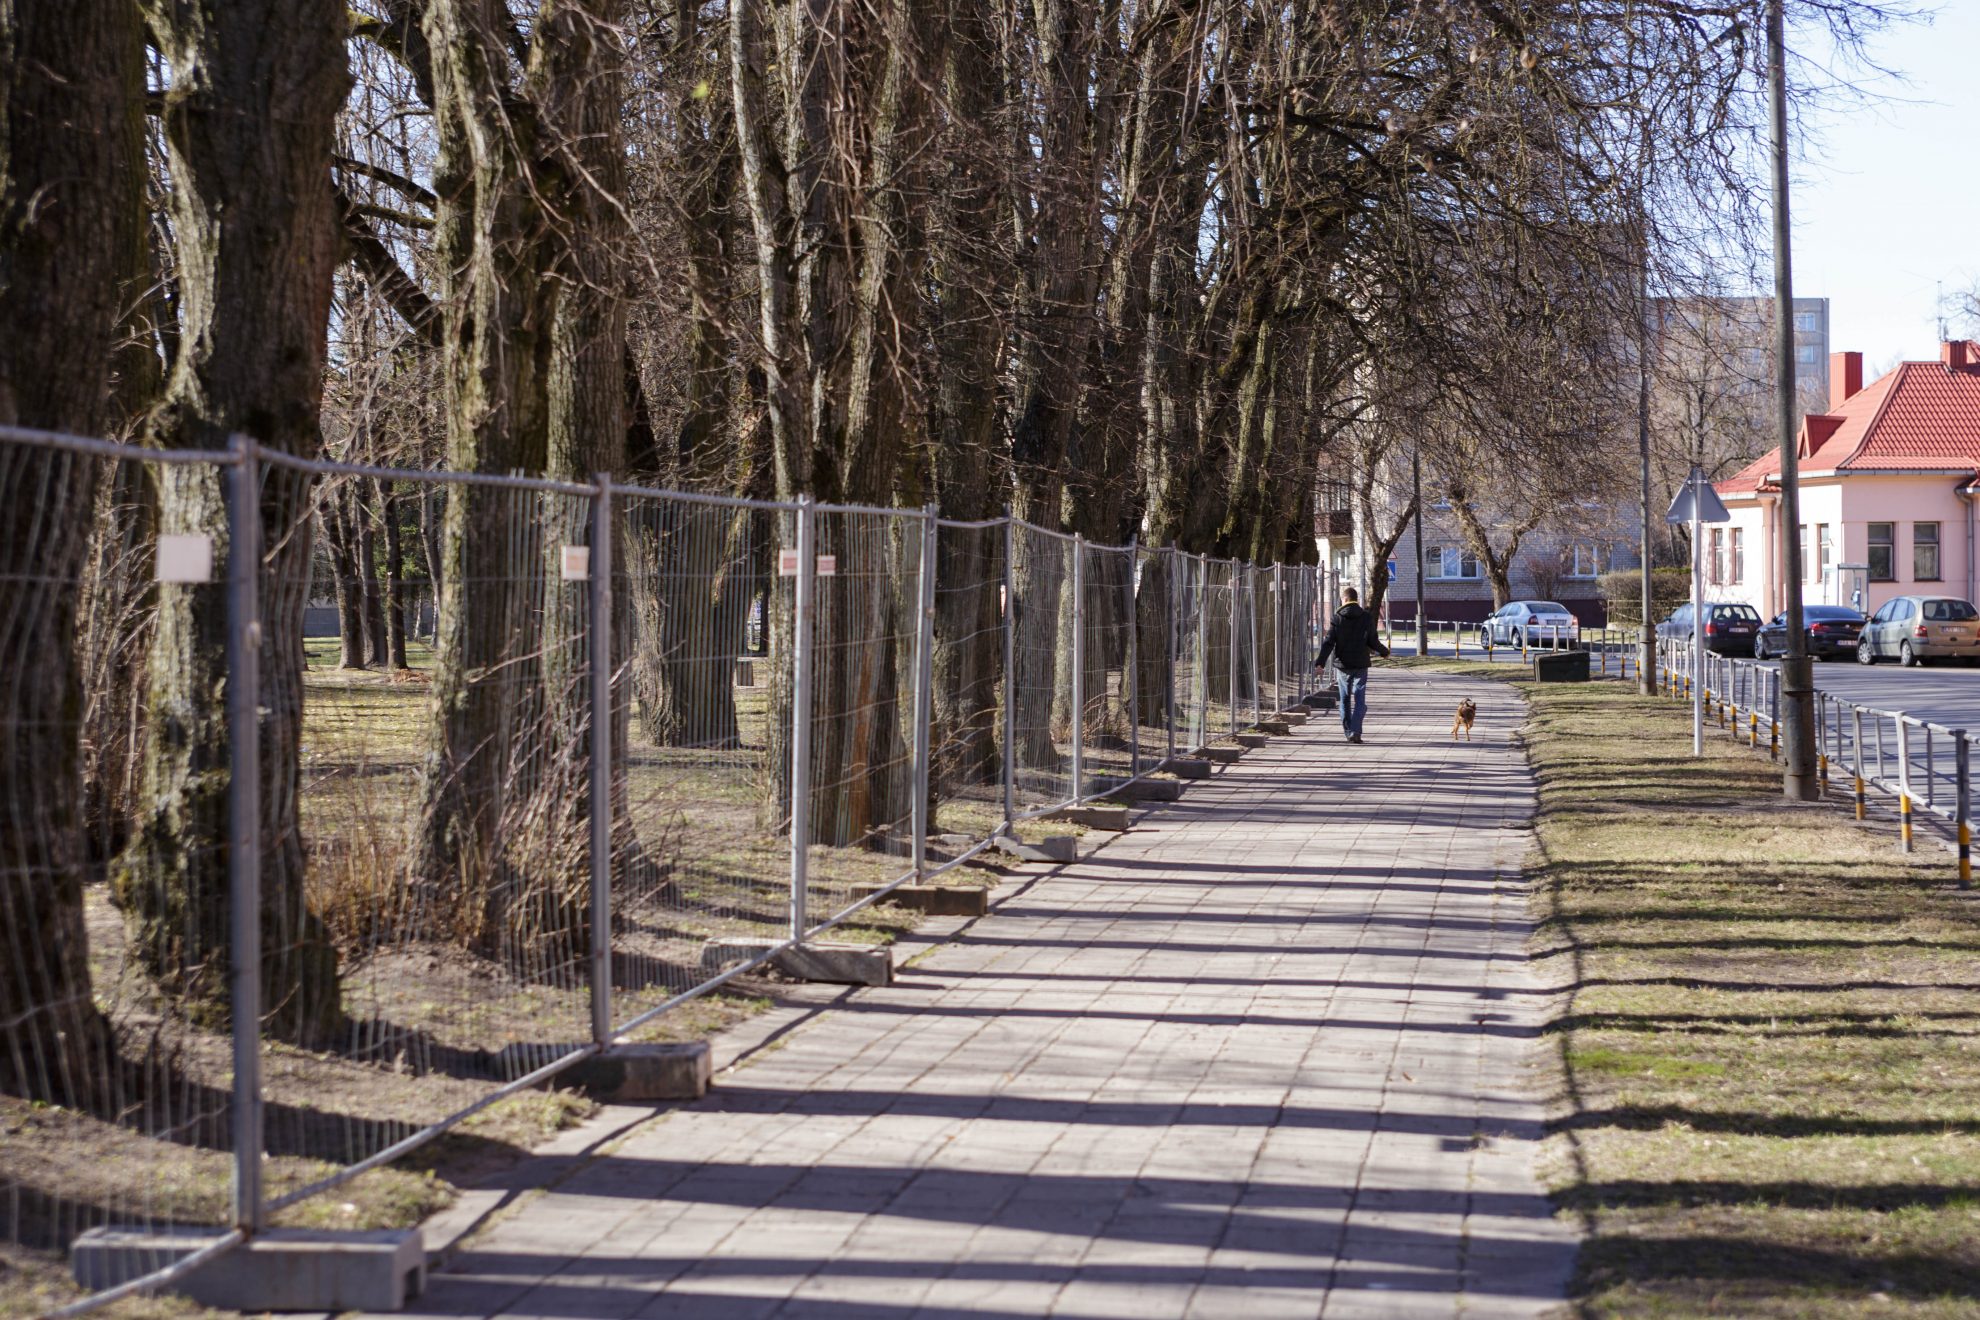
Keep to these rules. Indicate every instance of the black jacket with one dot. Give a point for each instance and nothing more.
(1350, 638)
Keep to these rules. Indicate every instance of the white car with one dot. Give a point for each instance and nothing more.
(1529, 623)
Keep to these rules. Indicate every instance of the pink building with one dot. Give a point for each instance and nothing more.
(1888, 478)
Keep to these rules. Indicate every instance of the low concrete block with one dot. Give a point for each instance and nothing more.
(1277, 728)
(633, 1073)
(819, 960)
(936, 900)
(1058, 848)
(1293, 716)
(1187, 768)
(1149, 790)
(1560, 667)
(1095, 818)
(280, 1269)
(1249, 740)
(1223, 755)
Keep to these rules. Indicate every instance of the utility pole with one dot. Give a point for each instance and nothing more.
(1416, 489)
(1646, 637)
(1798, 781)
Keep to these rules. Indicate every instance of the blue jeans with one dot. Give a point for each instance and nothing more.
(1352, 685)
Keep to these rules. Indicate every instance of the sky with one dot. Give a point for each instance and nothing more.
(1886, 197)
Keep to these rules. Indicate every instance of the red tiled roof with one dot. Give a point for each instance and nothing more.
(1920, 416)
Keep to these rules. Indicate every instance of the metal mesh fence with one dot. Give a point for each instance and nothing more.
(1039, 686)
(432, 876)
(116, 1077)
(701, 700)
(967, 736)
(344, 802)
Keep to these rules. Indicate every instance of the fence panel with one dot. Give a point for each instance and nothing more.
(967, 740)
(116, 1069)
(437, 929)
(1108, 747)
(1041, 676)
(701, 696)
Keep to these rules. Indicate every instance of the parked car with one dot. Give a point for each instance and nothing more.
(1831, 631)
(1729, 628)
(1914, 629)
(1528, 622)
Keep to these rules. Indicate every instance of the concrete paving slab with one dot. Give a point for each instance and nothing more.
(1266, 1054)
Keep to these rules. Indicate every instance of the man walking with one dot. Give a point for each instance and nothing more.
(1349, 640)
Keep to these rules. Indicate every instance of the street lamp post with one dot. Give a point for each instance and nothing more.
(1797, 670)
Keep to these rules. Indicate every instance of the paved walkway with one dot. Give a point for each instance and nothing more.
(1263, 1056)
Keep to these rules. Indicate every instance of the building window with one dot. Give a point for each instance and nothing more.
(1449, 561)
(1808, 355)
(1716, 558)
(1824, 552)
(1807, 555)
(1808, 322)
(1925, 552)
(1738, 538)
(1882, 558)
(1587, 562)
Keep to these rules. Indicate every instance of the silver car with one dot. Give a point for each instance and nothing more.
(1529, 623)
(1914, 629)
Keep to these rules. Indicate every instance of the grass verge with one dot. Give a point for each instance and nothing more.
(1769, 1034)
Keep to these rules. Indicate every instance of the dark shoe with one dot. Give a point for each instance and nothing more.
(1354, 737)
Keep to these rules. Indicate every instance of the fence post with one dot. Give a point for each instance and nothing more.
(1904, 784)
(1010, 674)
(599, 594)
(1856, 756)
(1131, 675)
(1961, 811)
(1230, 580)
(1203, 646)
(1078, 668)
(1251, 595)
(244, 818)
(801, 612)
(1822, 740)
(924, 689)
(1773, 714)
(1279, 638)
(1171, 607)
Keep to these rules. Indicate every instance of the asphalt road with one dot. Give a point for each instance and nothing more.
(1944, 695)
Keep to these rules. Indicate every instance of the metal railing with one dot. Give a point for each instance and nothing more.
(1918, 767)
(563, 757)
(1612, 651)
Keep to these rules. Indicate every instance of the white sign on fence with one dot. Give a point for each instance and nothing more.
(577, 563)
(185, 558)
(787, 562)
(828, 566)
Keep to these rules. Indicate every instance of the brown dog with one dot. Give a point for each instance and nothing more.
(1466, 712)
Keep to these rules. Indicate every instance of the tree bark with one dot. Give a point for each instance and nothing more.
(249, 129)
(68, 162)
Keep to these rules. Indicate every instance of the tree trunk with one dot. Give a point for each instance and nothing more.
(345, 573)
(70, 161)
(395, 583)
(969, 339)
(249, 119)
(377, 646)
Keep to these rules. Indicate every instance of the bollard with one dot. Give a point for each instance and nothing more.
(1856, 747)
(1959, 811)
(1904, 785)
(1753, 730)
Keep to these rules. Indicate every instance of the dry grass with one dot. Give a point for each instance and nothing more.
(1769, 1037)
